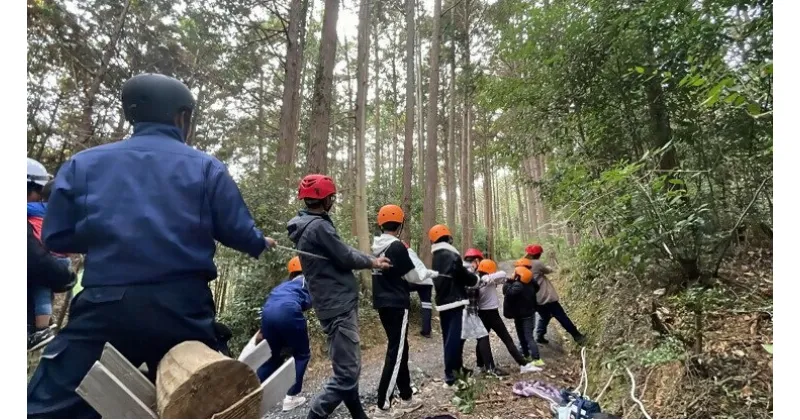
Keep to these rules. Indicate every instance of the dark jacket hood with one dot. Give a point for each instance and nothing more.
(299, 223)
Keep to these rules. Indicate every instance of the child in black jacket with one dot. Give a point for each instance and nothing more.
(520, 305)
(451, 297)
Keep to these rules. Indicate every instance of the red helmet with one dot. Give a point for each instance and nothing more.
(533, 249)
(316, 186)
(473, 253)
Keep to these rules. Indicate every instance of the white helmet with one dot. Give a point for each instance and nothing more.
(37, 174)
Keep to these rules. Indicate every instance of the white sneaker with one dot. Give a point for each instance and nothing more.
(407, 406)
(292, 402)
(447, 386)
(530, 367)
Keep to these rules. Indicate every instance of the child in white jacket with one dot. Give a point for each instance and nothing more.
(424, 290)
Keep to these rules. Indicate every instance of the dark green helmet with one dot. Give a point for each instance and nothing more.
(152, 97)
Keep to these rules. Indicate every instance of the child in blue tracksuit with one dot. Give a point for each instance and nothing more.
(284, 327)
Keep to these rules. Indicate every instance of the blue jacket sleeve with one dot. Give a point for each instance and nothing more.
(63, 214)
(233, 224)
(339, 253)
(305, 297)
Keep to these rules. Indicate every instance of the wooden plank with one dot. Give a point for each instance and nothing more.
(110, 397)
(255, 355)
(132, 378)
(275, 387)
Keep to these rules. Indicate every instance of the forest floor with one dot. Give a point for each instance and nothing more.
(495, 398)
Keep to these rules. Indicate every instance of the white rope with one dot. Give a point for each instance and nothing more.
(603, 391)
(286, 248)
(633, 394)
(584, 376)
(585, 372)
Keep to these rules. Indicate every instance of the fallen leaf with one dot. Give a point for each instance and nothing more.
(747, 392)
(767, 347)
(738, 353)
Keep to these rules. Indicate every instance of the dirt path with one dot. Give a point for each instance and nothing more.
(427, 373)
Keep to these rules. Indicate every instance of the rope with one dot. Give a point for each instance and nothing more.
(584, 376)
(297, 251)
(605, 388)
(633, 394)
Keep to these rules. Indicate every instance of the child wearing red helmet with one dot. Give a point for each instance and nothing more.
(547, 298)
(334, 291)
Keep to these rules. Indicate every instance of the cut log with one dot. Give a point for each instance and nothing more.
(196, 382)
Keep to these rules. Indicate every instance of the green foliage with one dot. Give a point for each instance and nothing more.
(666, 351)
(702, 298)
(249, 281)
(466, 392)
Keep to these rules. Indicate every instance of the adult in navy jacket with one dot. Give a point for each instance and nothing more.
(146, 212)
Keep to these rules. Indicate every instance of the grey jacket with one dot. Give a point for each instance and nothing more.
(547, 293)
(331, 282)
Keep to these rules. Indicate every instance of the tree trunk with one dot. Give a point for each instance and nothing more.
(466, 194)
(197, 119)
(352, 158)
(317, 157)
(377, 81)
(432, 170)
(261, 137)
(544, 222)
(362, 75)
(451, 156)
(86, 128)
(289, 124)
(408, 145)
(469, 193)
(521, 216)
(49, 130)
(660, 125)
(395, 104)
(487, 199)
(421, 121)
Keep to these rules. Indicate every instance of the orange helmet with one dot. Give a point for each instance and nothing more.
(390, 213)
(487, 266)
(437, 232)
(525, 275)
(294, 265)
(523, 262)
